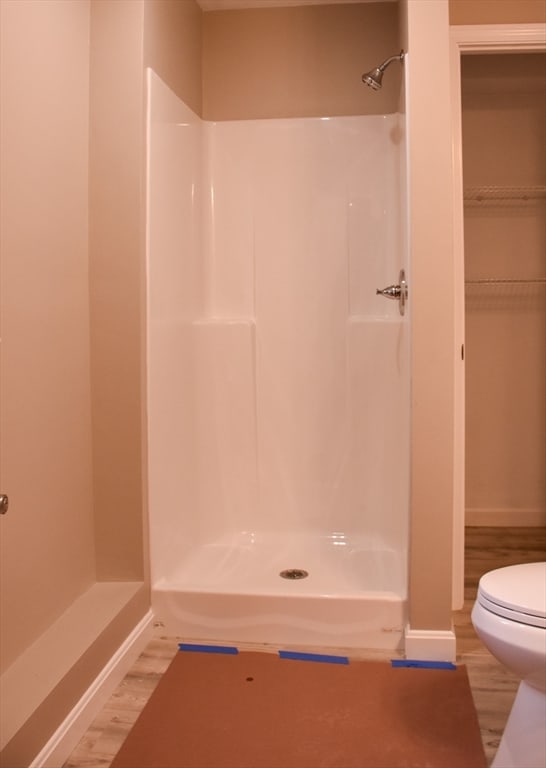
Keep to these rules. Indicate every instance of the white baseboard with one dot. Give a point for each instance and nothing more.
(430, 645)
(55, 753)
(510, 517)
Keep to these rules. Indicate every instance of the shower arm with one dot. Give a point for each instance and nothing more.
(398, 57)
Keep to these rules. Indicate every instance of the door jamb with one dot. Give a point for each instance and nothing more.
(508, 38)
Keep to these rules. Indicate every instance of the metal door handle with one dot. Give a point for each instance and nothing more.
(4, 503)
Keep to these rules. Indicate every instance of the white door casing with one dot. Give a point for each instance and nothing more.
(498, 38)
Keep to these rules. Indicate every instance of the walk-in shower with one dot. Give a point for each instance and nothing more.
(278, 381)
(374, 78)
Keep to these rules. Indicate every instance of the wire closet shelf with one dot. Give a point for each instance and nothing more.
(501, 195)
(505, 196)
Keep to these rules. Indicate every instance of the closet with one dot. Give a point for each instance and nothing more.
(504, 171)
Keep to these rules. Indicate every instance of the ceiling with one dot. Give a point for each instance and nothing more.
(228, 5)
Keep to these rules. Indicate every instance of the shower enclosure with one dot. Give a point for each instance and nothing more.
(278, 381)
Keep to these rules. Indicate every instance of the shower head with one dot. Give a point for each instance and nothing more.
(374, 77)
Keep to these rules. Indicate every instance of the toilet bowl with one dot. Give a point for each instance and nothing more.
(509, 617)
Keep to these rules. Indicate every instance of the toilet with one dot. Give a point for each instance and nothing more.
(509, 616)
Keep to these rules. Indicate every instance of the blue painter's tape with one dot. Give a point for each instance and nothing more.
(313, 657)
(423, 664)
(229, 649)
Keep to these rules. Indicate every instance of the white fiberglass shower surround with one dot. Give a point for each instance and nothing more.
(278, 381)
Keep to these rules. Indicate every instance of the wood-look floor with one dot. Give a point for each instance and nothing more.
(493, 687)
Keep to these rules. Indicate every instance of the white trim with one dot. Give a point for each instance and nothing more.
(459, 331)
(526, 518)
(430, 644)
(499, 37)
(231, 5)
(55, 753)
(510, 38)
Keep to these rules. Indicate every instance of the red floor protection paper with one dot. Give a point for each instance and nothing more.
(256, 710)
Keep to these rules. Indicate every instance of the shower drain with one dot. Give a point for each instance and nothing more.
(294, 573)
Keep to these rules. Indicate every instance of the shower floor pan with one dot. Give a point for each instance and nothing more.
(231, 590)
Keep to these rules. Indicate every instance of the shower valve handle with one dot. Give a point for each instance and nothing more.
(398, 292)
(390, 292)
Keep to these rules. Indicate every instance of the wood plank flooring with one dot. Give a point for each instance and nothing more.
(493, 687)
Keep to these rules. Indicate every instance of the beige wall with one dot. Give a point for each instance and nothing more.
(432, 316)
(298, 62)
(503, 99)
(173, 46)
(115, 283)
(47, 556)
(497, 11)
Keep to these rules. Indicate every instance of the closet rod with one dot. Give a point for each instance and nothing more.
(507, 281)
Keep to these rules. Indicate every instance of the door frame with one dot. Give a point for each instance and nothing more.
(494, 38)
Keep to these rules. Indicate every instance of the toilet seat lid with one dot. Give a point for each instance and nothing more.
(517, 591)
